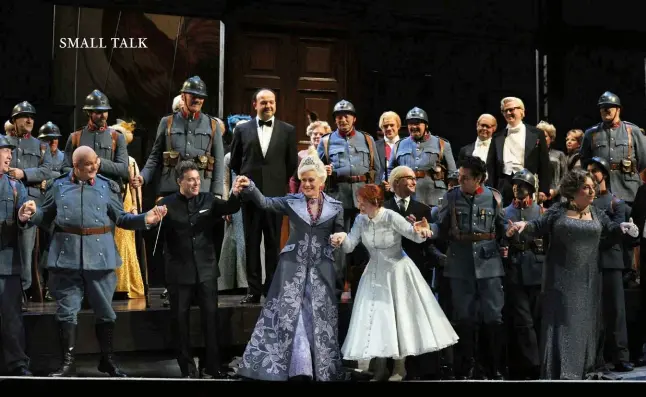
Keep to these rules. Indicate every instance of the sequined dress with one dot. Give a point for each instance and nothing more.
(570, 326)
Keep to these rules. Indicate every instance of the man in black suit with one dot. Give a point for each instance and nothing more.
(518, 146)
(263, 150)
(191, 269)
(485, 127)
(389, 123)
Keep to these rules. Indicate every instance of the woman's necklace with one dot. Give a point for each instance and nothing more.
(582, 212)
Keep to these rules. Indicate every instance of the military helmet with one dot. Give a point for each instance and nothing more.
(97, 101)
(417, 114)
(194, 86)
(453, 175)
(609, 99)
(4, 143)
(49, 130)
(344, 106)
(602, 164)
(526, 176)
(23, 107)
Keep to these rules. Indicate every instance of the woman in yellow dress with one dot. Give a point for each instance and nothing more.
(129, 280)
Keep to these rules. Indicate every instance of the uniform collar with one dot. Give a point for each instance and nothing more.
(526, 202)
(92, 127)
(186, 114)
(348, 135)
(424, 138)
(613, 125)
(26, 136)
(74, 180)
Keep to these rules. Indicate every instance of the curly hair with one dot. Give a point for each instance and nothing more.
(474, 164)
(373, 194)
(572, 182)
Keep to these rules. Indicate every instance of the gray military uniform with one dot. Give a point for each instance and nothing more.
(37, 168)
(188, 139)
(423, 157)
(12, 333)
(625, 142)
(111, 149)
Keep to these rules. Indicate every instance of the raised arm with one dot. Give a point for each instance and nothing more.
(273, 204)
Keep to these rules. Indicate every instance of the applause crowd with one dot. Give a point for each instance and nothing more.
(502, 259)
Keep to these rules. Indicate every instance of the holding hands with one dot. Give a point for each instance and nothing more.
(155, 215)
(27, 210)
(240, 184)
(336, 239)
(514, 227)
(422, 228)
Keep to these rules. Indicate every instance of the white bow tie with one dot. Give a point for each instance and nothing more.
(513, 130)
(483, 143)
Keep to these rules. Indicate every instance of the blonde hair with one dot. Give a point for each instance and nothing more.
(312, 162)
(576, 133)
(547, 127)
(390, 115)
(511, 99)
(317, 124)
(176, 105)
(396, 174)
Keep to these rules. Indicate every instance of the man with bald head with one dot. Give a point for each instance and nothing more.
(84, 208)
(485, 127)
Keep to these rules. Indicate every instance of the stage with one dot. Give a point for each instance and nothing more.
(142, 339)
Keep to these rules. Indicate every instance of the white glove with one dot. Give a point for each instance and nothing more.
(630, 228)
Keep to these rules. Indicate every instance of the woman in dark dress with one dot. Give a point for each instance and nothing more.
(571, 278)
(296, 335)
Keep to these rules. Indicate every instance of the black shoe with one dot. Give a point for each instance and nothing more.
(164, 294)
(216, 375)
(67, 334)
(48, 296)
(623, 366)
(250, 299)
(23, 306)
(104, 333)
(21, 371)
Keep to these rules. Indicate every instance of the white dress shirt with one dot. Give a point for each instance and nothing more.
(481, 149)
(264, 134)
(399, 199)
(513, 151)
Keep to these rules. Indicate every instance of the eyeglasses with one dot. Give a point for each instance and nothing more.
(511, 110)
(485, 126)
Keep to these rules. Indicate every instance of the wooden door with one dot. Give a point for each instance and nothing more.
(307, 72)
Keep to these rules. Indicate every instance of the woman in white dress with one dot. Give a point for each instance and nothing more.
(395, 313)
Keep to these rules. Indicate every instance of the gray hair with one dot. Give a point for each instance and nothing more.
(312, 162)
(396, 174)
(572, 182)
(511, 99)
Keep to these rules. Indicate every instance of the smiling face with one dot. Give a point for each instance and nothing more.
(5, 160)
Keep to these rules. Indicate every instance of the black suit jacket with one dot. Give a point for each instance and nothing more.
(270, 173)
(188, 238)
(418, 252)
(537, 158)
(638, 212)
(467, 151)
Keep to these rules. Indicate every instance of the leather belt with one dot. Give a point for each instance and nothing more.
(618, 166)
(83, 231)
(421, 174)
(475, 236)
(351, 179)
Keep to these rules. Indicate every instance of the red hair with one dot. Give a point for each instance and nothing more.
(372, 194)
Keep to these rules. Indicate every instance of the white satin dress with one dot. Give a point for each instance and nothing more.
(395, 313)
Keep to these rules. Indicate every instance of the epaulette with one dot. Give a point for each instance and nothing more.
(496, 194)
(114, 186)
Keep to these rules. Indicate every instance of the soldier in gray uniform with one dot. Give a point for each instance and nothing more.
(612, 265)
(623, 146)
(84, 208)
(12, 332)
(524, 275)
(30, 166)
(352, 161)
(620, 143)
(187, 135)
(471, 218)
(428, 155)
(108, 144)
(48, 134)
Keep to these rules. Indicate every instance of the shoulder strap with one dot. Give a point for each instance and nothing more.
(441, 149)
(115, 136)
(629, 129)
(42, 154)
(371, 149)
(169, 125)
(76, 139)
(213, 125)
(326, 147)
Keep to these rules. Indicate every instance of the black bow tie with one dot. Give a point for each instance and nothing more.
(261, 123)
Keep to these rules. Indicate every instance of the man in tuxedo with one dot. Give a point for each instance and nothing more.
(389, 123)
(485, 127)
(518, 146)
(263, 150)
